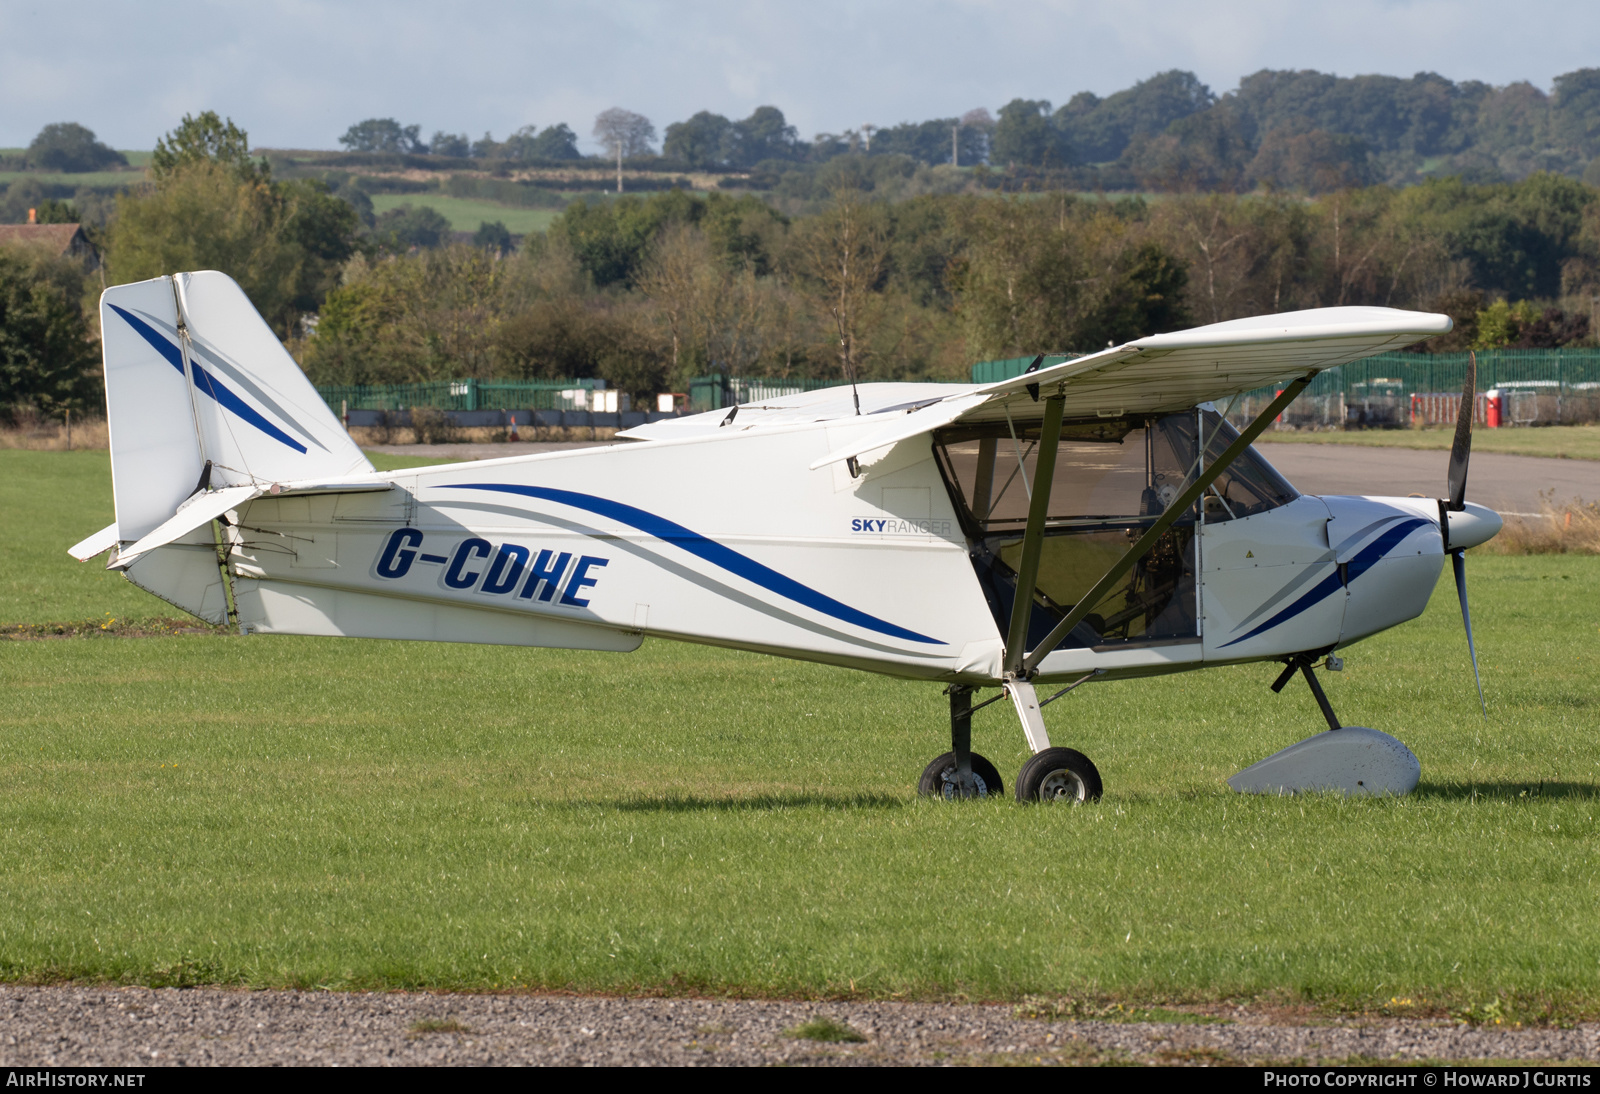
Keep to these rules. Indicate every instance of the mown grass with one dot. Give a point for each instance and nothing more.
(318, 812)
(466, 214)
(48, 502)
(1568, 442)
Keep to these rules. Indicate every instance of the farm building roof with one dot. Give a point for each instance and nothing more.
(59, 240)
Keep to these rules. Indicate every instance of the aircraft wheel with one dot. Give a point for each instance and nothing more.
(939, 778)
(1059, 775)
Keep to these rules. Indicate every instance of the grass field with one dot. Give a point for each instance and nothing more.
(283, 811)
(1571, 442)
(466, 214)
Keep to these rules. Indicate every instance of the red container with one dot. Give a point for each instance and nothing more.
(1492, 411)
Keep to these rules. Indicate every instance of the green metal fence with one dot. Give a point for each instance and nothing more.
(457, 394)
(992, 372)
(1538, 386)
(1554, 375)
(1560, 370)
(716, 392)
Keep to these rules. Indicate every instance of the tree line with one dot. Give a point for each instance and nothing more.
(648, 291)
(1298, 130)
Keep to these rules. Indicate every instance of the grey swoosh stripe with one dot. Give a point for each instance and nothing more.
(234, 373)
(1309, 574)
(1348, 540)
(710, 584)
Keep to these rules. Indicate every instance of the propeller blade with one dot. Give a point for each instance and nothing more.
(1461, 448)
(1458, 562)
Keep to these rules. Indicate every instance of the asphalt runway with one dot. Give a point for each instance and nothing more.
(140, 1028)
(1507, 484)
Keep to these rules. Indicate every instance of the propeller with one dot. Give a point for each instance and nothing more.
(1456, 502)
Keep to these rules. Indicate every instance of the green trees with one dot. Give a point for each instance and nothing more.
(1024, 135)
(456, 145)
(205, 217)
(1575, 122)
(406, 226)
(68, 146)
(1065, 275)
(383, 135)
(1095, 130)
(709, 140)
(930, 142)
(47, 350)
(493, 236)
(555, 142)
(206, 139)
(213, 206)
(705, 140)
(647, 292)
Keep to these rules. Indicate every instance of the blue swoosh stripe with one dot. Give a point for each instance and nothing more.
(219, 392)
(1372, 552)
(710, 550)
(1364, 560)
(1323, 589)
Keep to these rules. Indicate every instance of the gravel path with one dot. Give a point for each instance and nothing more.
(130, 1027)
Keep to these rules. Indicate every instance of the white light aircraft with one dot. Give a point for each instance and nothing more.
(1096, 519)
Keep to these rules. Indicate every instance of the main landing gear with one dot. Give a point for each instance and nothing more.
(1050, 775)
(961, 772)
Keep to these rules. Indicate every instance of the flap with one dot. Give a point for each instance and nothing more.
(198, 510)
(100, 542)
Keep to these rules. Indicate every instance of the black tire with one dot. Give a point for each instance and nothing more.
(938, 778)
(1059, 775)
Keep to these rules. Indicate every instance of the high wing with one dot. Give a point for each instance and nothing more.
(1165, 373)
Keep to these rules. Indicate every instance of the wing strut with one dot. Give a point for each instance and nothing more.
(1179, 506)
(1044, 473)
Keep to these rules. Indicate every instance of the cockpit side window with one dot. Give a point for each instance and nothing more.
(1105, 470)
(1250, 485)
(1113, 478)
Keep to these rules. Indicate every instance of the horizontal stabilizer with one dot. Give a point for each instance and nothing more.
(304, 490)
(99, 543)
(202, 509)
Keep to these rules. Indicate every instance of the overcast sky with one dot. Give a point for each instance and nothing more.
(296, 73)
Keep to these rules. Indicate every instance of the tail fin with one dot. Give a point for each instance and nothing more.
(196, 380)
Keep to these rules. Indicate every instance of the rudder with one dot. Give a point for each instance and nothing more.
(195, 376)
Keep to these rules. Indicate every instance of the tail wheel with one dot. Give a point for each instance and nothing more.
(1059, 775)
(939, 778)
